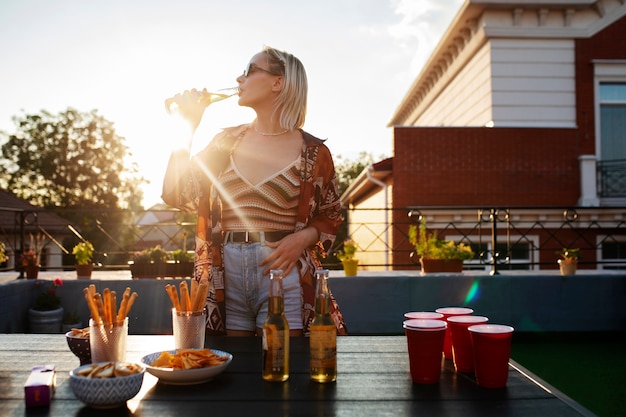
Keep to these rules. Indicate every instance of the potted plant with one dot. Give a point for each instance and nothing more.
(149, 263)
(438, 255)
(83, 253)
(182, 265)
(569, 260)
(347, 257)
(31, 258)
(3, 254)
(46, 314)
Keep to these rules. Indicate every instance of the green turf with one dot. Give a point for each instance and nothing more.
(590, 368)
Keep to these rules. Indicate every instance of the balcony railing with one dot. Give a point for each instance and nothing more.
(502, 238)
(612, 179)
(526, 238)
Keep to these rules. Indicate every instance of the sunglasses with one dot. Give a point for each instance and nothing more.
(252, 68)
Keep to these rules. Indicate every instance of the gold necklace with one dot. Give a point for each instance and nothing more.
(270, 134)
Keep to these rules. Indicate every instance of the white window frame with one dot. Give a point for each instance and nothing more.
(606, 71)
(600, 259)
(533, 251)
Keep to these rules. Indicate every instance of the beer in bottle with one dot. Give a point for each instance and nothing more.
(276, 332)
(323, 337)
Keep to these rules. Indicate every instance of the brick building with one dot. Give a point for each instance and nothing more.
(522, 104)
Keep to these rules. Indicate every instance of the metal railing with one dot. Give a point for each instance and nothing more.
(502, 238)
(612, 178)
(515, 238)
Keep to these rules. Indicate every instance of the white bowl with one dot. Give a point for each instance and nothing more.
(185, 376)
(105, 392)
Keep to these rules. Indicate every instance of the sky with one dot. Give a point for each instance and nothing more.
(125, 57)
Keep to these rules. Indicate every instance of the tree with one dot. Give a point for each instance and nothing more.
(347, 170)
(69, 160)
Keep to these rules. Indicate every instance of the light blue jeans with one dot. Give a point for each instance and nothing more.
(247, 288)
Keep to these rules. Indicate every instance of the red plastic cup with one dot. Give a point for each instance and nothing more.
(425, 343)
(462, 352)
(449, 312)
(492, 349)
(426, 315)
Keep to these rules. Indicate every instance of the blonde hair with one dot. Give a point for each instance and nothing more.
(292, 99)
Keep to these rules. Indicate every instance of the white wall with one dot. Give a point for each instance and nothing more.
(533, 82)
(510, 83)
(466, 101)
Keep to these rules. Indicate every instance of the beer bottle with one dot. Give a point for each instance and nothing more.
(276, 332)
(323, 337)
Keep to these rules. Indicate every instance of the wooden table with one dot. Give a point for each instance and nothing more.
(373, 380)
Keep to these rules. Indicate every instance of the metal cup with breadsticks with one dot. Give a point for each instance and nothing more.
(103, 307)
(190, 299)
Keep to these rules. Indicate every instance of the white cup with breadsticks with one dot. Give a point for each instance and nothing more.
(188, 314)
(108, 326)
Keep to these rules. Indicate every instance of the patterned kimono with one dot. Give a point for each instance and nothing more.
(193, 186)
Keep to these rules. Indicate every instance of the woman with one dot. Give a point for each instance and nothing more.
(266, 197)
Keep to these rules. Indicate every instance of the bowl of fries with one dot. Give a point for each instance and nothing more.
(78, 342)
(187, 366)
(107, 384)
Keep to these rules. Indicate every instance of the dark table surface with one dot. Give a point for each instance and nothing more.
(373, 380)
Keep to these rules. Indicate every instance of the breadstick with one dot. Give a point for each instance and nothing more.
(131, 301)
(200, 297)
(106, 295)
(121, 315)
(173, 294)
(100, 306)
(194, 291)
(204, 292)
(113, 306)
(184, 296)
(92, 306)
(174, 291)
(92, 290)
(194, 295)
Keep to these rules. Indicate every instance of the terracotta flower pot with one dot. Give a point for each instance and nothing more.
(32, 271)
(84, 271)
(568, 266)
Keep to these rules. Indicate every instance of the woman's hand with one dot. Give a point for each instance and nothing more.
(190, 105)
(289, 249)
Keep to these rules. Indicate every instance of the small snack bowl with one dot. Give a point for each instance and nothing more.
(100, 386)
(79, 345)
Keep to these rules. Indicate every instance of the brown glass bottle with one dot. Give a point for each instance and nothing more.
(323, 337)
(276, 333)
